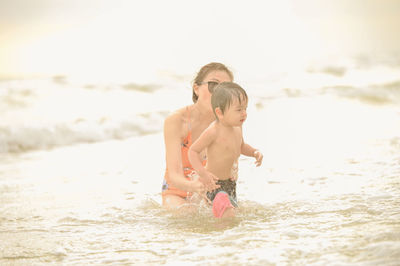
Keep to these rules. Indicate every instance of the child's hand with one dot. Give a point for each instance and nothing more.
(208, 179)
(259, 157)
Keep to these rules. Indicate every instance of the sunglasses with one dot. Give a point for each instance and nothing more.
(210, 84)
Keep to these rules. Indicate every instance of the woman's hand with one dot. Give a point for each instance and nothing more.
(259, 157)
(198, 187)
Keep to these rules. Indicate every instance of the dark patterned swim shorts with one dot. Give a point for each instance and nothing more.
(229, 187)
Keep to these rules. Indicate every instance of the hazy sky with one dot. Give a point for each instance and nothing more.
(93, 37)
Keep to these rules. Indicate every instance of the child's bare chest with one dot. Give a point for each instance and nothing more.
(229, 144)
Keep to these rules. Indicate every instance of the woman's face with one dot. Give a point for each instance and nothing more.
(202, 90)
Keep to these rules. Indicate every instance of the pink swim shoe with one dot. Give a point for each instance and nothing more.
(220, 203)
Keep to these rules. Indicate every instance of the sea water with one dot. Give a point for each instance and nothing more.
(81, 168)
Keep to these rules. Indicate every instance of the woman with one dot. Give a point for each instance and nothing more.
(181, 129)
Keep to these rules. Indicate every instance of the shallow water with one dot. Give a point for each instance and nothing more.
(81, 167)
(327, 193)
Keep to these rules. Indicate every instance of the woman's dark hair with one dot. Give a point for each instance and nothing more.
(205, 70)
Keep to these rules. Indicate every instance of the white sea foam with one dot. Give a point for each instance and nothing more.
(41, 114)
(48, 112)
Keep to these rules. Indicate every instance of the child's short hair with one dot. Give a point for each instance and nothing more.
(224, 93)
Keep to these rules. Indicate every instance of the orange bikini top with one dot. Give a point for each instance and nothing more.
(185, 145)
(187, 142)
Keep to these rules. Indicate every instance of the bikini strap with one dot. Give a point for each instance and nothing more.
(188, 112)
(189, 135)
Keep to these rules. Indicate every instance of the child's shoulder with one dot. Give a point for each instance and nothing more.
(212, 128)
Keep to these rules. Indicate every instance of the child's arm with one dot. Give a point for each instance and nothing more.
(205, 140)
(247, 150)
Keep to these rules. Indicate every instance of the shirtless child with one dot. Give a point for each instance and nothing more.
(224, 143)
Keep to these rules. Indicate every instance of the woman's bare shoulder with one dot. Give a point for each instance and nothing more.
(175, 123)
(176, 118)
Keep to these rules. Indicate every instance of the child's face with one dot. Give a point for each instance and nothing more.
(236, 113)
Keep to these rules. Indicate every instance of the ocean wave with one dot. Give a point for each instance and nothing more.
(146, 88)
(46, 113)
(387, 93)
(143, 88)
(338, 71)
(62, 80)
(14, 139)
